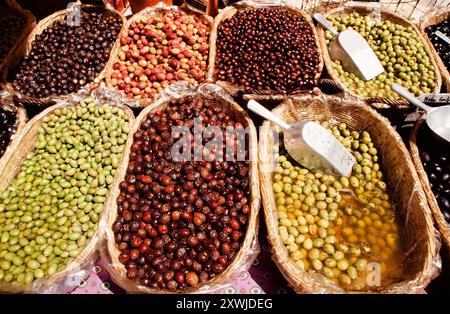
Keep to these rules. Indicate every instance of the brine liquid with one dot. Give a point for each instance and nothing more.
(379, 234)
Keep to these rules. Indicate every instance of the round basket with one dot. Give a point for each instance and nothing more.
(432, 17)
(365, 9)
(141, 103)
(23, 145)
(421, 261)
(40, 27)
(442, 225)
(17, 49)
(249, 248)
(228, 13)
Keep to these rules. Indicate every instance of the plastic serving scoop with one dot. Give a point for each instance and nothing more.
(442, 36)
(438, 119)
(310, 144)
(352, 50)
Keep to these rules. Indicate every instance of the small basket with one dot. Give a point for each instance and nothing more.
(228, 13)
(140, 103)
(23, 145)
(364, 9)
(421, 262)
(41, 26)
(110, 253)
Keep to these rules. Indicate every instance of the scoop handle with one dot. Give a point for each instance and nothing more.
(443, 36)
(263, 112)
(322, 20)
(409, 97)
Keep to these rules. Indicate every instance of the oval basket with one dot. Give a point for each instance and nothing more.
(40, 27)
(23, 145)
(18, 48)
(421, 261)
(434, 16)
(141, 103)
(7, 103)
(365, 9)
(228, 13)
(249, 248)
(443, 226)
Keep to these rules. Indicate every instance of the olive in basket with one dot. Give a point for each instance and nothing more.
(436, 162)
(341, 227)
(8, 121)
(180, 223)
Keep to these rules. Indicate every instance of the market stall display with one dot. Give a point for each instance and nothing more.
(397, 42)
(266, 51)
(154, 196)
(438, 19)
(186, 225)
(432, 164)
(341, 225)
(61, 59)
(158, 47)
(54, 188)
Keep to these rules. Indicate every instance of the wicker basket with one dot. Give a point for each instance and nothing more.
(17, 49)
(442, 225)
(141, 103)
(249, 248)
(421, 260)
(232, 89)
(432, 17)
(6, 103)
(22, 146)
(41, 26)
(364, 9)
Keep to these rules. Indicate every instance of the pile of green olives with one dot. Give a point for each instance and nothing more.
(400, 51)
(338, 226)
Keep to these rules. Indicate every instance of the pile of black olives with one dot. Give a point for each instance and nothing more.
(442, 48)
(7, 128)
(436, 161)
(64, 58)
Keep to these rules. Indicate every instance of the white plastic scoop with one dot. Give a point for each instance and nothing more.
(310, 144)
(438, 119)
(352, 50)
(442, 36)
